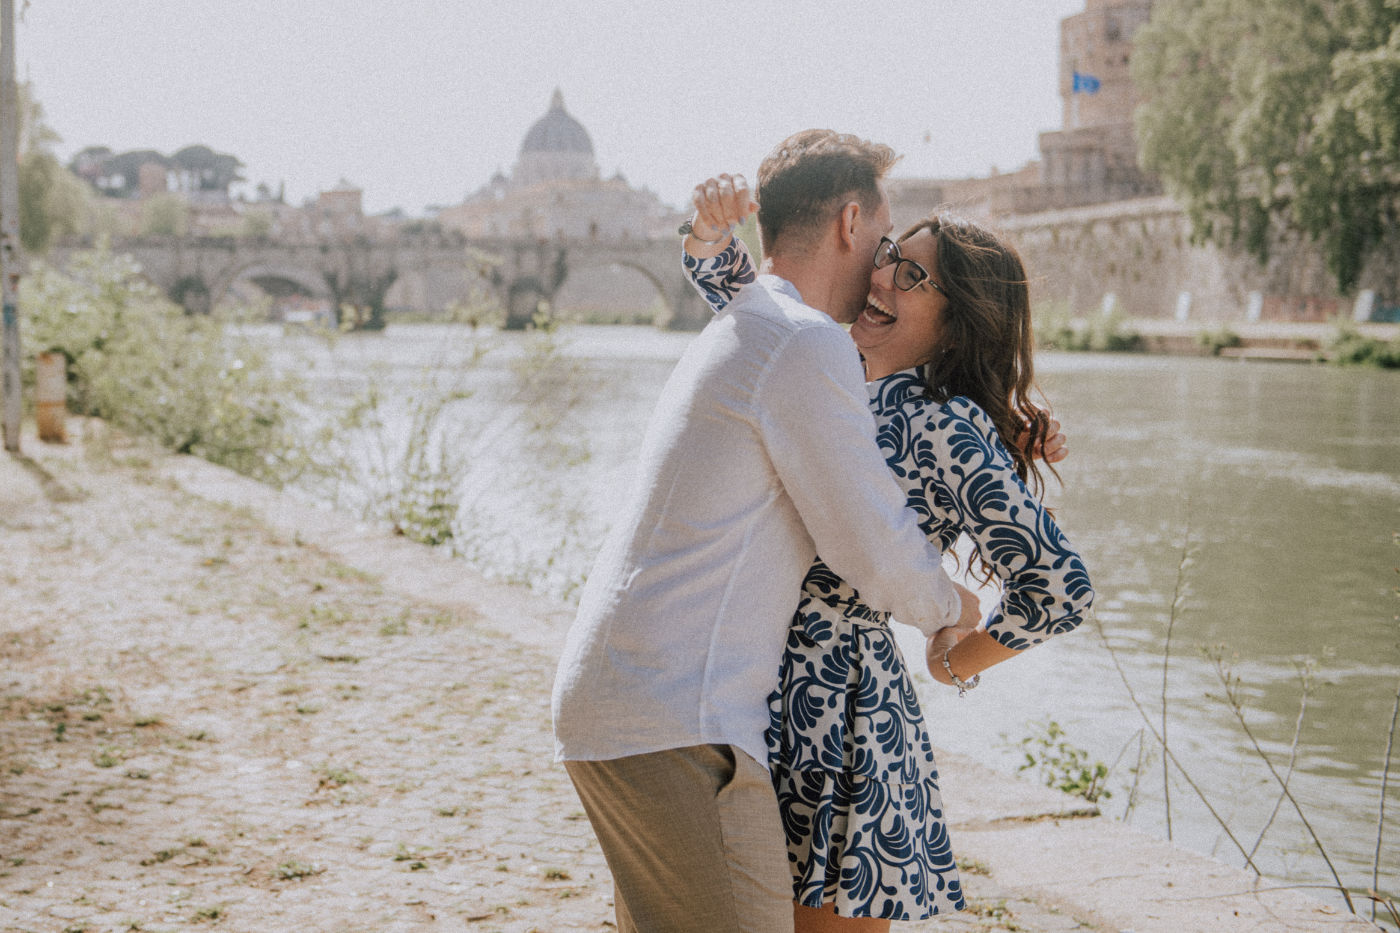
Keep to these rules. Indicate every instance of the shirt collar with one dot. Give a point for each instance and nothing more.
(894, 390)
(779, 284)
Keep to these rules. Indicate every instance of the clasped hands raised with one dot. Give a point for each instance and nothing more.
(721, 204)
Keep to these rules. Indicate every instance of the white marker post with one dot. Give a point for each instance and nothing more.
(1255, 310)
(1183, 306)
(1365, 306)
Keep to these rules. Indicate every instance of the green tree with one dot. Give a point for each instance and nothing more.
(1275, 117)
(53, 201)
(203, 169)
(165, 214)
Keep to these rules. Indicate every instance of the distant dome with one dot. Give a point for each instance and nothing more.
(556, 131)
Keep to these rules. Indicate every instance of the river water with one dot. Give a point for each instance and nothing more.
(1260, 500)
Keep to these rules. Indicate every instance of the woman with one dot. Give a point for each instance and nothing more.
(947, 344)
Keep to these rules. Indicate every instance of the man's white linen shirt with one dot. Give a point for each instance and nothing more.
(761, 452)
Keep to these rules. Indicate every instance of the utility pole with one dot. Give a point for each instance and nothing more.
(9, 226)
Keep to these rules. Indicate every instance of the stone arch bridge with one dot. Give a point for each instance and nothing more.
(428, 272)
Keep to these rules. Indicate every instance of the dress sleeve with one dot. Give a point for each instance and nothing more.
(968, 474)
(719, 279)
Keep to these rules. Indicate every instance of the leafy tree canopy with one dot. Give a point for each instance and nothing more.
(52, 201)
(1273, 116)
(208, 170)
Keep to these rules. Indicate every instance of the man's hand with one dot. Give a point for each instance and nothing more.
(721, 204)
(970, 615)
(943, 640)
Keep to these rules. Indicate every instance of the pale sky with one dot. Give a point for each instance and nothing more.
(418, 102)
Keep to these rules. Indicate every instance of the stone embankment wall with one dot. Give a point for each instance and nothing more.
(1139, 255)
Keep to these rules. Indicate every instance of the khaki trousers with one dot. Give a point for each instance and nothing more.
(693, 840)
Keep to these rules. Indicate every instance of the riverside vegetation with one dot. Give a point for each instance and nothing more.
(140, 363)
(1049, 755)
(396, 455)
(1348, 347)
(195, 385)
(1057, 327)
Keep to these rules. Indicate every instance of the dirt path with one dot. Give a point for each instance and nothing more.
(207, 722)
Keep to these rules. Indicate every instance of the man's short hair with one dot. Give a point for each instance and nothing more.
(809, 176)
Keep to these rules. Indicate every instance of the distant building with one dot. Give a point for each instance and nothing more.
(339, 210)
(139, 173)
(555, 190)
(1091, 159)
(197, 175)
(153, 178)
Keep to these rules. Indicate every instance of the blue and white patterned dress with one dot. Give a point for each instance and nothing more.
(848, 748)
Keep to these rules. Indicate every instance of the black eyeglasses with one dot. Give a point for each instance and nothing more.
(908, 274)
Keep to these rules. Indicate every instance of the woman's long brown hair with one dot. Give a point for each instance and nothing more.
(987, 347)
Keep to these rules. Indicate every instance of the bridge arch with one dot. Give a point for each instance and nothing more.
(682, 306)
(656, 261)
(613, 289)
(309, 282)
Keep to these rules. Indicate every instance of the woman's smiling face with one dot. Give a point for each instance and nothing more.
(901, 329)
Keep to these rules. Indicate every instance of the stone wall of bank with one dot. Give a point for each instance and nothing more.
(1140, 253)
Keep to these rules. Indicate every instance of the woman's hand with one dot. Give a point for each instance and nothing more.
(1052, 447)
(969, 653)
(721, 204)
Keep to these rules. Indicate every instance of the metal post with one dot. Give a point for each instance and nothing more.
(9, 226)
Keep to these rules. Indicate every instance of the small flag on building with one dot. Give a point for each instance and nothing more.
(1084, 84)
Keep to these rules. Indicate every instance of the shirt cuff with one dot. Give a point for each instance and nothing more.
(947, 607)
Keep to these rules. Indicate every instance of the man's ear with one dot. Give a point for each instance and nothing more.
(850, 213)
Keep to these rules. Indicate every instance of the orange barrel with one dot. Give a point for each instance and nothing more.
(51, 394)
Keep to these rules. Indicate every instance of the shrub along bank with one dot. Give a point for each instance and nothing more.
(141, 363)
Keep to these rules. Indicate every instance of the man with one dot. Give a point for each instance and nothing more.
(760, 454)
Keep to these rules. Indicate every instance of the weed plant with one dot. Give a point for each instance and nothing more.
(1061, 764)
(436, 457)
(547, 392)
(1050, 754)
(398, 461)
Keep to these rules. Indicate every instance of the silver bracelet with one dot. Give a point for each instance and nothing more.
(688, 229)
(962, 685)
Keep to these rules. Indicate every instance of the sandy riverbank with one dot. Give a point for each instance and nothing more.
(220, 708)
